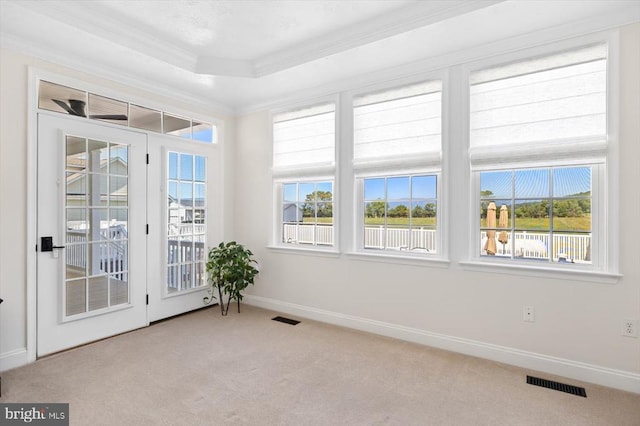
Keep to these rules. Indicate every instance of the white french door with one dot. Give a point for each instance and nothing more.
(184, 182)
(91, 225)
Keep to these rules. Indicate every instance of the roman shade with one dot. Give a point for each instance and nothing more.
(548, 109)
(304, 141)
(398, 129)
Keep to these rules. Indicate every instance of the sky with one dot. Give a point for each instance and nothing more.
(401, 188)
(537, 183)
(188, 168)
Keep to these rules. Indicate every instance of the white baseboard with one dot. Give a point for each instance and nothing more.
(618, 379)
(13, 359)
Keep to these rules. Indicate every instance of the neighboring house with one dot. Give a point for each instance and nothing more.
(113, 191)
(186, 211)
(291, 213)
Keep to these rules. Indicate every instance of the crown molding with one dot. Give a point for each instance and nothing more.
(418, 15)
(54, 56)
(101, 22)
(423, 67)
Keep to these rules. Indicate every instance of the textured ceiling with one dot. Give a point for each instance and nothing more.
(247, 30)
(245, 54)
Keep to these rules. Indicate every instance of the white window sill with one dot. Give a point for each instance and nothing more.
(568, 273)
(305, 250)
(406, 259)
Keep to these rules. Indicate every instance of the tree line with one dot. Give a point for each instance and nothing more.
(377, 209)
(565, 207)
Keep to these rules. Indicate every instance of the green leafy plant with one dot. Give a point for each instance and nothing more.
(231, 269)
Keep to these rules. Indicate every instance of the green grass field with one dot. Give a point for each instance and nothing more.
(392, 221)
(401, 221)
(561, 223)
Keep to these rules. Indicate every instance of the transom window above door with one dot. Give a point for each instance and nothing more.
(67, 100)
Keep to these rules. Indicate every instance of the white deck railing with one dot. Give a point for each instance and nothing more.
(533, 245)
(109, 254)
(183, 274)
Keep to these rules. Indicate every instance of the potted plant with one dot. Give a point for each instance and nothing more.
(231, 269)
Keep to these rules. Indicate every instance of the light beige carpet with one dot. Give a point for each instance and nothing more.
(244, 369)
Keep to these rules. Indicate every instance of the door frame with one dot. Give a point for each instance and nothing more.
(34, 75)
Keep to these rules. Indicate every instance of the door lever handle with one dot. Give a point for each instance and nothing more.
(46, 244)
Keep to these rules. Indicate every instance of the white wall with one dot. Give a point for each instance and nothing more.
(577, 332)
(13, 187)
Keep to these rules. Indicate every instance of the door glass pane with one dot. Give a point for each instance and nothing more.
(97, 258)
(118, 224)
(186, 249)
(98, 154)
(186, 193)
(76, 225)
(97, 221)
(186, 167)
(76, 297)
(97, 190)
(200, 169)
(118, 159)
(76, 154)
(200, 277)
(173, 279)
(199, 249)
(186, 215)
(117, 191)
(173, 165)
(76, 255)
(119, 288)
(76, 189)
(186, 272)
(172, 198)
(98, 292)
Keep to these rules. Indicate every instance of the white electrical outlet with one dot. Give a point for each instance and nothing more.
(528, 314)
(630, 327)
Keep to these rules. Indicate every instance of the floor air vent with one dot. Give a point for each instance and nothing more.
(286, 320)
(575, 390)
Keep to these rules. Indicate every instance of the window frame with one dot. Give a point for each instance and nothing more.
(597, 175)
(304, 176)
(605, 192)
(315, 244)
(440, 257)
(360, 222)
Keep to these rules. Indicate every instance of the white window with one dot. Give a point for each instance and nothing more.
(537, 214)
(307, 213)
(400, 213)
(303, 172)
(538, 150)
(396, 162)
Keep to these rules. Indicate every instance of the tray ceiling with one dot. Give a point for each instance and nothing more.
(243, 53)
